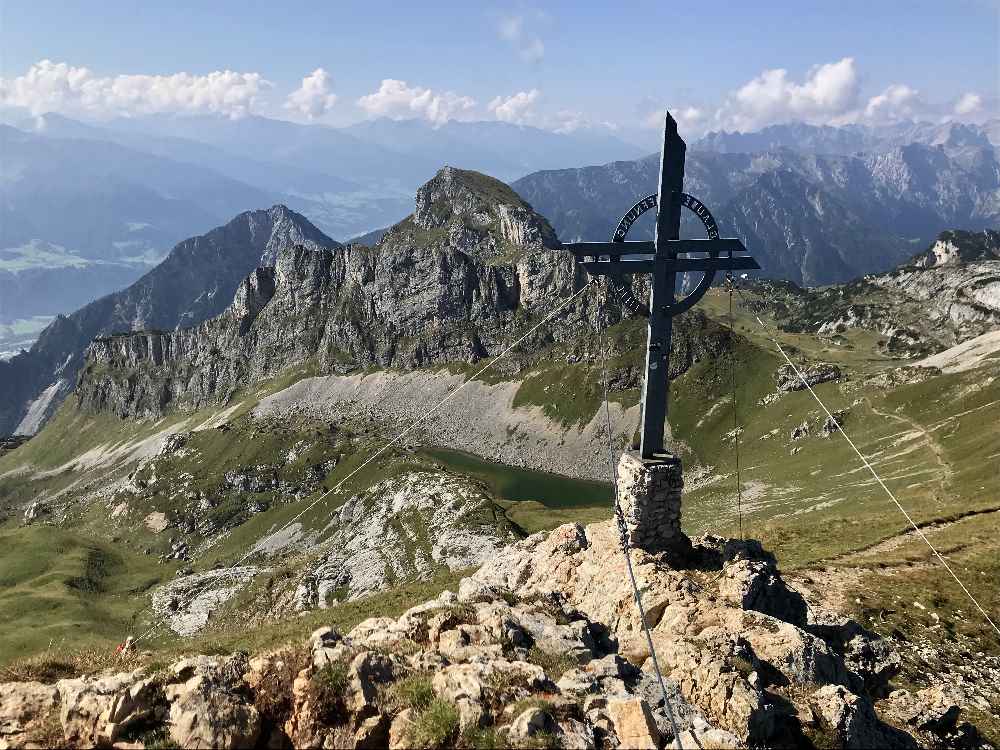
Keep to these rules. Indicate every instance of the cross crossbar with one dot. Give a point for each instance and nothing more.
(669, 265)
(673, 247)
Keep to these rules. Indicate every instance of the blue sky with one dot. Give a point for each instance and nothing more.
(555, 65)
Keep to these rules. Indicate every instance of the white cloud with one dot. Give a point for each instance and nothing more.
(313, 98)
(397, 99)
(828, 90)
(830, 94)
(528, 44)
(969, 104)
(897, 102)
(59, 87)
(688, 118)
(515, 108)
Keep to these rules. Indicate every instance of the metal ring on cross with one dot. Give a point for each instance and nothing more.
(623, 292)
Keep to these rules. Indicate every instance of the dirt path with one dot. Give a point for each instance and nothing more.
(928, 440)
(895, 542)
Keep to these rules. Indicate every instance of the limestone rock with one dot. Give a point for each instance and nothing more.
(852, 720)
(529, 723)
(23, 707)
(634, 725)
(208, 707)
(96, 710)
(932, 709)
(820, 372)
(751, 581)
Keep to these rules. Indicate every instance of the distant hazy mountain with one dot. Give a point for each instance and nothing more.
(811, 219)
(500, 149)
(851, 139)
(103, 201)
(316, 148)
(195, 282)
(255, 170)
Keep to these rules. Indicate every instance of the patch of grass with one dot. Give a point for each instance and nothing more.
(328, 686)
(413, 691)
(481, 738)
(67, 597)
(57, 664)
(554, 664)
(533, 702)
(436, 726)
(47, 731)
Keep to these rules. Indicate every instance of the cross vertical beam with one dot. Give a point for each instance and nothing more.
(655, 389)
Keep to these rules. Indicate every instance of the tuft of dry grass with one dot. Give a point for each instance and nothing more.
(61, 663)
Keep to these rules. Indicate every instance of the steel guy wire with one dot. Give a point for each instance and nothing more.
(870, 468)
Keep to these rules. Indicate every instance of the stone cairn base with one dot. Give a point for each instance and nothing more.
(649, 492)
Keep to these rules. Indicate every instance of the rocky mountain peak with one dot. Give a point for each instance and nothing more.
(456, 199)
(955, 247)
(279, 227)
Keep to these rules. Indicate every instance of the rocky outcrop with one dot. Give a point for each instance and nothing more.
(402, 529)
(453, 282)
(787, 379)
(543, 645)
(943, 296)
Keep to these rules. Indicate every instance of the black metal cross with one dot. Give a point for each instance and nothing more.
(660, 258)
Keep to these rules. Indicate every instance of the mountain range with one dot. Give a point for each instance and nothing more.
(87, 208)
(807, 217)
(850, 139)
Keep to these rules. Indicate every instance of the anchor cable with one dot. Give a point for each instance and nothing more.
(623, 535)
(868, 466)
(413, 425)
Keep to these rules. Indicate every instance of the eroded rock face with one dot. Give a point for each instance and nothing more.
(209, 704)
(821, 372)
(728, 653)
(417, 505)
(96, 711)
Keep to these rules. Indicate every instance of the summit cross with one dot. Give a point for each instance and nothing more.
(661, 259)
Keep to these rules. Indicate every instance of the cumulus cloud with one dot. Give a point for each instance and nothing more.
(829, 94)
(313, 98)
(59, 87)
(527, 43)
(969, 104)
(515, 108)
(828, 90)
(896, 102)
(397, 99)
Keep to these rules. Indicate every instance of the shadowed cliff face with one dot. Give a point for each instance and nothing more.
(196, 281)
(471, 269)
